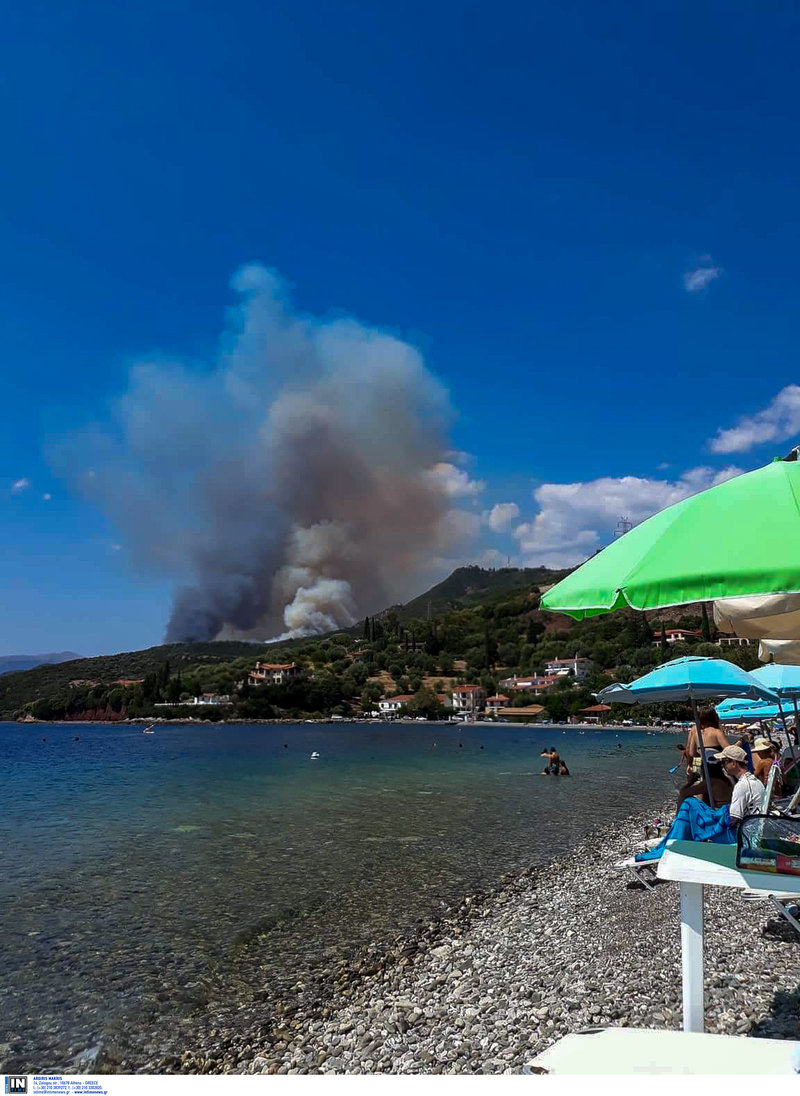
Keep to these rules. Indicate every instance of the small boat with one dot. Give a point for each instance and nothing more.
(149, 730)
(314, 756)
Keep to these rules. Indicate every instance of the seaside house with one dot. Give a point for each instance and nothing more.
(392, 706)
(469, 698)
(734, 641)
(578, 668)
(207, 700)
(495, 703)
(273, 673)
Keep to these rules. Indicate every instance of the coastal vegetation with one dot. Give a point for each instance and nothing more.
(478, 626)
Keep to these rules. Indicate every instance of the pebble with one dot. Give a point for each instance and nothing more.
(559, 949)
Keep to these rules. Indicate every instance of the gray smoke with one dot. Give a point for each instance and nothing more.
(291, 487)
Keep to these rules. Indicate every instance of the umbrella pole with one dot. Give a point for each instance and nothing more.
(702, 753)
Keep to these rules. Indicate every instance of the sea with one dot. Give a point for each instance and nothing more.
(146, 879)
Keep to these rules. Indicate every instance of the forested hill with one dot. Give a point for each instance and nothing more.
(473, 585)
(476, 627)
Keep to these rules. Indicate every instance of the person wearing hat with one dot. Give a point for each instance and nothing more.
(748, 791)
(764, 756)
(696, 821)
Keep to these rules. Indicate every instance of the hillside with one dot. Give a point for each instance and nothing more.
(483, 626)
(473, 585)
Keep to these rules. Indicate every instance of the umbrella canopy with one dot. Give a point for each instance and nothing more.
(786, 652)
(775, 616)
(690, 678)
(739, 538)
(737, 711)
(783, 680)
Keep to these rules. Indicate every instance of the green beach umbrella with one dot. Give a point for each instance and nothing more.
(737, 539)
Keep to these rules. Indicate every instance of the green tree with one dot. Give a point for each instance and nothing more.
(705, 626)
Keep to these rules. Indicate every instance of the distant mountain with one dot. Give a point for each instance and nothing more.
(9, 664)
(468, 586)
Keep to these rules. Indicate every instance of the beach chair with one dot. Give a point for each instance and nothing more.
(645, 871)
(785, 905)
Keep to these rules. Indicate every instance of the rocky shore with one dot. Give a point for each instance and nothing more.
(553, 950)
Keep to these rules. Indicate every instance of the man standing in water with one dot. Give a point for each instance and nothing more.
(553, 765)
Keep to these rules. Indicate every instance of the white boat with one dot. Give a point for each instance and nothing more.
(149, 730)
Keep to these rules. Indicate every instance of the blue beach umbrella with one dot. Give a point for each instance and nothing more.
(690, 679)
(735, 711)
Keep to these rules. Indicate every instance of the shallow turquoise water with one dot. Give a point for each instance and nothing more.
(133, 863)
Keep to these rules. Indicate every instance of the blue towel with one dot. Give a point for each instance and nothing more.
(696, 821)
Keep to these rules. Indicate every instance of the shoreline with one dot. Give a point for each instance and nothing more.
(486, 723)
(504, 974)
(499, 976)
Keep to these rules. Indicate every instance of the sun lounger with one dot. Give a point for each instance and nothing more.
(785, 905)
(632, 1051)
(638, 869)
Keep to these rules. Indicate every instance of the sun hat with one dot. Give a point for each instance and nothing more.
(762, 744)
(732, 753)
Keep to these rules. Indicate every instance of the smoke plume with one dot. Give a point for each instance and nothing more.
(291, 486)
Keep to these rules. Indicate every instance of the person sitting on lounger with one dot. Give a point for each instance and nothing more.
(764, 757)
(696, 821)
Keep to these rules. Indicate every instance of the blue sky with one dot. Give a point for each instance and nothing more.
(585, 216)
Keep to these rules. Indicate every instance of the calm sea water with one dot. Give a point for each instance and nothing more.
(143, 876)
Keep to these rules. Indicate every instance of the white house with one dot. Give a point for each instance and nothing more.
(393, 705)
(469, 698)
(273, 673)
(578, 667)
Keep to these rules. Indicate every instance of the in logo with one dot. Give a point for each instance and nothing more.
(16, 1084)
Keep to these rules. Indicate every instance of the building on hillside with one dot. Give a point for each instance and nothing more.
(273, 673)
(678, 635)
(542, 684)
(495, 703)
(445, 700)
(127, 682)
(393, 704)
(538, 683)
(735, 641)
(579, 668)
(469, 698)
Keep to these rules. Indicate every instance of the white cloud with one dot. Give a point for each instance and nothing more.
(700, 276)
(455, 482)
(779, 420)
(20, 485)
(491, 557)
(576, 519)
(500, 517)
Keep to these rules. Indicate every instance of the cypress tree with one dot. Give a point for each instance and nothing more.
(706, 626)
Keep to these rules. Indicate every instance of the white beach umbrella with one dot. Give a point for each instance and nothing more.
(766, 616)
(786, 652)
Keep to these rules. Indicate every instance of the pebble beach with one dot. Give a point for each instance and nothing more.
(500, 977)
